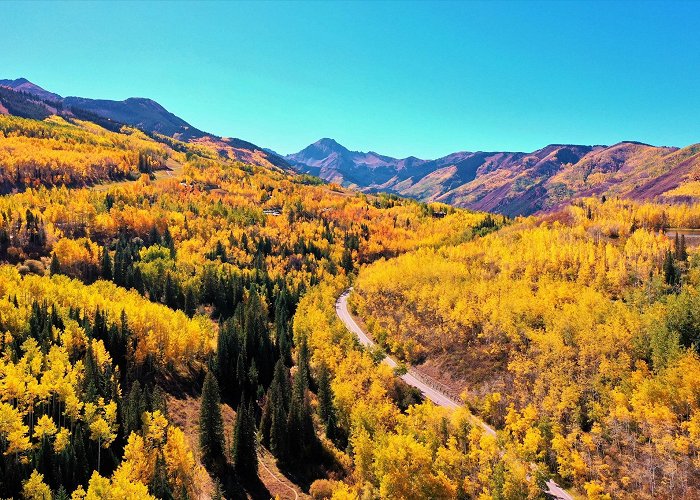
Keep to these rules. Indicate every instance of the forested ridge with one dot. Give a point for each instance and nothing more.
(139, 272)
(114, 301)
(78, 153)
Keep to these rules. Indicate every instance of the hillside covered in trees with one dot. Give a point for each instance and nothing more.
(169, 330)
(575, 335)
(25, 99)
(488, 288)
(120, 301)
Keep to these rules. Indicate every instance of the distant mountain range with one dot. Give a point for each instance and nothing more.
(514, 183)
(23, 98)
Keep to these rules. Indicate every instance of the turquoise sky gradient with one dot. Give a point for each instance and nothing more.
(415, 78)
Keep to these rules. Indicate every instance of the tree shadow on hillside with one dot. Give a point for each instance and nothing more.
(303, 473)
(182, 385)
(237, 487)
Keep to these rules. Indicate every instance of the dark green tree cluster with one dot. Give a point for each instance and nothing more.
(222, 289)
(211, 425)
(22, 236)
(680, 251)
(246, 355)
(273, 424)
(211, 434)
(34, 232)
(351, 243)
(55, 266)
(25, 105)
(125, 273)
(286, 425)
(141, 399)
(218, 253)
(302, 437)
(683, 318)
(244, 451)
(675, 262)
(73, 466)
(283, 326)
(4, 243)
(672, 273)
(106, 270)
(304, 248)
(326, 409)
(42, 320)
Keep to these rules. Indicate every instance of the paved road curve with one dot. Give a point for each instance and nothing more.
(435, 395)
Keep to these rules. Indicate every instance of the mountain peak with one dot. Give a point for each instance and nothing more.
(322, 148)
(145, 102)
(513, 183)
(24, 85)
(329, 144)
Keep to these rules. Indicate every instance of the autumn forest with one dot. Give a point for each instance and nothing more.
(170, 328)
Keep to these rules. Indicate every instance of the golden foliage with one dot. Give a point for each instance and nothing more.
(576, 311)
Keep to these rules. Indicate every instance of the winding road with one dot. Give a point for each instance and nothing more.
(261, 461)
(429, 389)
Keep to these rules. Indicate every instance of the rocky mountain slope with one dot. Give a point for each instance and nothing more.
(512, 183)
(515, 183)
(23, 98)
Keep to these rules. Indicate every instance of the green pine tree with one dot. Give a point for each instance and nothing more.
(683, 250)
(346, 261)
(211, 427)
(168, 242)
(159, 402)
(135, 406)
(279, 396)
(61, 494)
(159, 486)
(670, 271)
(284, 346)
(244, 452)
(266, 421)
(325, 400)
(172, 293)
(106, 265)
(190, 306)
(299, 422)
(55, 267)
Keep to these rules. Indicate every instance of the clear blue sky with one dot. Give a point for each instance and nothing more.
(413, 78)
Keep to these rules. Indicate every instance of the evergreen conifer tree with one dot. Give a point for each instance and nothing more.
(683, 251)
(279, 395)
(159, 487)
(325, 400)
(55, 267)
(106, 265)
(299, 423)
(244, 453)
(211, 427)
(168, 242)
(670, 270)
(135, 406)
